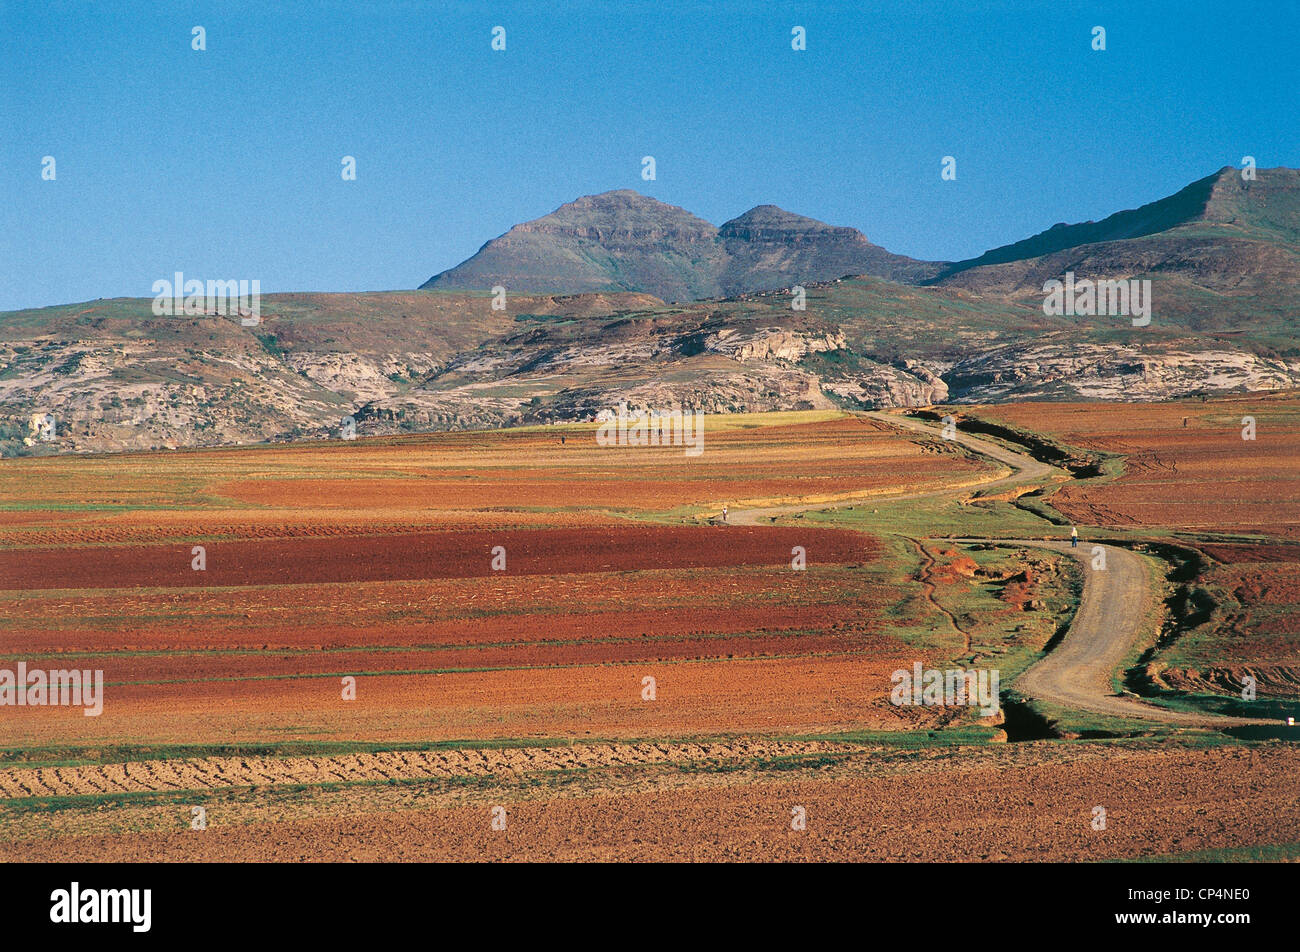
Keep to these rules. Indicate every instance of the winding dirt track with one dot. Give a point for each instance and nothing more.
(1023, 468)
(1077, 675)
(1108, 622)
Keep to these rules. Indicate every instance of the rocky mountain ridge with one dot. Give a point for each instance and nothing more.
(624, 241)
(1222, 258)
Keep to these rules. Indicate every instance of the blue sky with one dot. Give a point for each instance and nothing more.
(226, 163)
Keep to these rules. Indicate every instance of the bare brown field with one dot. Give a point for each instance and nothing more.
(450, 480)
(751, 645)
(785, 694)
(1187, 468)
(1021, 803)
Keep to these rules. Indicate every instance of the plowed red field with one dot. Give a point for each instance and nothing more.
(383, 571)
(1256, 629)
(1187, 466)
(422, 555)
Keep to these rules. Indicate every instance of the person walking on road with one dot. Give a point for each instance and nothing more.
(1074, 537)
(724, 513)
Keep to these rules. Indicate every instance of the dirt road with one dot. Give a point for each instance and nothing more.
(1023, 468)
(1077, 674)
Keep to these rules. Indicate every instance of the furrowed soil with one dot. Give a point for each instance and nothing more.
(447, 554)
(1024, 802)
(383, 572)
(1187, 465)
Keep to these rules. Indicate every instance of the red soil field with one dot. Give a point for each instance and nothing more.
(412, 480)
(1260, 631)
(781, 695)
(1234, 553)
(385, 574)
(316, 630)
(451, 554)
(1201, 476)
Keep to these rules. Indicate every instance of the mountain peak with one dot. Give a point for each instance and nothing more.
(605, 214)
(773, 214)
(619, 198)
(622, 240)
(1214, 198)
(1254, 221)
(614, 198)
(775, 218)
